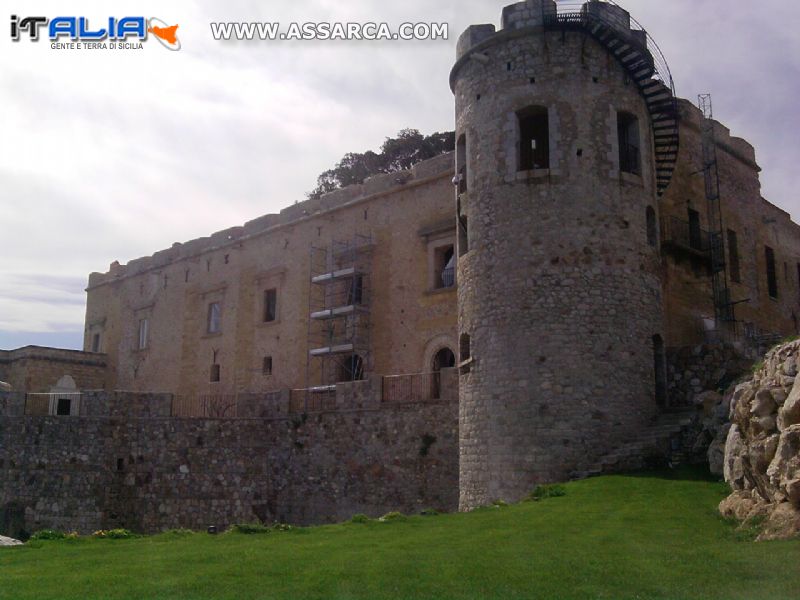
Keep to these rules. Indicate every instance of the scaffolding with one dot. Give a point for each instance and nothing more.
(338, 309)
(723, 307)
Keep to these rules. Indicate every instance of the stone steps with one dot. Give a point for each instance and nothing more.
(630, 454)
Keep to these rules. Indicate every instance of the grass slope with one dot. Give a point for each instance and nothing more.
(609, 537)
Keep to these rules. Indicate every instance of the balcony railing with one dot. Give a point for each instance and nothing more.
(419, 387)
(448, 277)
(683, 235)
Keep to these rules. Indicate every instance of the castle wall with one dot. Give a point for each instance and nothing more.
(406, 213)
(125, 465)
(559, 289)
(757, 224)
(38, 369)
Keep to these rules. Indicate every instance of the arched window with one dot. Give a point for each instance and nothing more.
(660, 370)
(534, 138)
(652, 231)
(628, 136)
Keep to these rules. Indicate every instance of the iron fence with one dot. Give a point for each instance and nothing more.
(419, 387)
(44, 404)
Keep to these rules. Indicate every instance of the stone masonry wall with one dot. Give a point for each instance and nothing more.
(130, 467)
(37, 369)
(692, 370)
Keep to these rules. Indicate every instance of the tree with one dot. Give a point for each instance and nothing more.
(397, 154)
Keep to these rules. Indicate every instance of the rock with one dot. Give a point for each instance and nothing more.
(716, 457)
(7, 541)
(783, 523)
(733, 470)
(5, 387)
(790, 411)
(762, 450)
(764, 404)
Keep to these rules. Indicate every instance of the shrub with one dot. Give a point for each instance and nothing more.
(282, 527)
(392, 516)
(360, 518)
(249, 528)
(114, 534)
(540, 492)
(499, 503)
(429, 512)
(48, 534)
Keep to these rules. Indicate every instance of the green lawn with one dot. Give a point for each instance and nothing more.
(609, 537)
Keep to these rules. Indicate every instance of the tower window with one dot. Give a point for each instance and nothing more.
(628, 136)
(461, 164)
(464, 352)
(214, 322)
(270, 305)
(772, 278)
(214, 374)
(266, 366)
(534, 138)
(733, 256)
(695, 232)
(652, 232)
(143, 327)
(96, 342)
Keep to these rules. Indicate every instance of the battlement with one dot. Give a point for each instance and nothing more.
(374, 186)
(523, 16)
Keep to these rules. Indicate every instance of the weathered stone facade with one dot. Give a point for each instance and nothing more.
(125, 462)
(37, 369)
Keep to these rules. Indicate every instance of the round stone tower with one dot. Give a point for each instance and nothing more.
(565, 138)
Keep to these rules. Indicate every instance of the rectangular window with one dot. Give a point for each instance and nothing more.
(215, 373)
(628, 137)
(143, 327)
(772, 278)
(733, 257)
(96, 342)
(214, 324)
(270, 305)
(444, 264)
(266, 367)
(534, 139)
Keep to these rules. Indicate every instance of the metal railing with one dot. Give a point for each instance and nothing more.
(580, 13)
(448, 277)
(56, 404)
(685, 235)
(408, 389)
(312, 400)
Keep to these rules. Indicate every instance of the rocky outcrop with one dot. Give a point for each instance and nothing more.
(5, 387)
(7, 541)
(762, 449)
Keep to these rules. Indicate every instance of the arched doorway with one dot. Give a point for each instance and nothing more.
(443, 359)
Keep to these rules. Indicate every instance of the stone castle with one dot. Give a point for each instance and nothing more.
(594, 253)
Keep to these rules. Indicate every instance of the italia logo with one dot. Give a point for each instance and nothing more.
(115, 32)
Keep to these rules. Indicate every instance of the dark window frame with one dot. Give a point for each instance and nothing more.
(533, 148)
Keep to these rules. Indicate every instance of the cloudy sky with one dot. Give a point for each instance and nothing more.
(112, 155)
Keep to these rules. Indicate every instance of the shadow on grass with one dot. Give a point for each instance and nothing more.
(679, 473)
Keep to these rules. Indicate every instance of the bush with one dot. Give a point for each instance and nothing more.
(429, 512)
(282, 527)
(48, 534)
(499, 503)
(360, 518)
(392, 516)
(114, 534)
(249, 528)
(540, 492)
